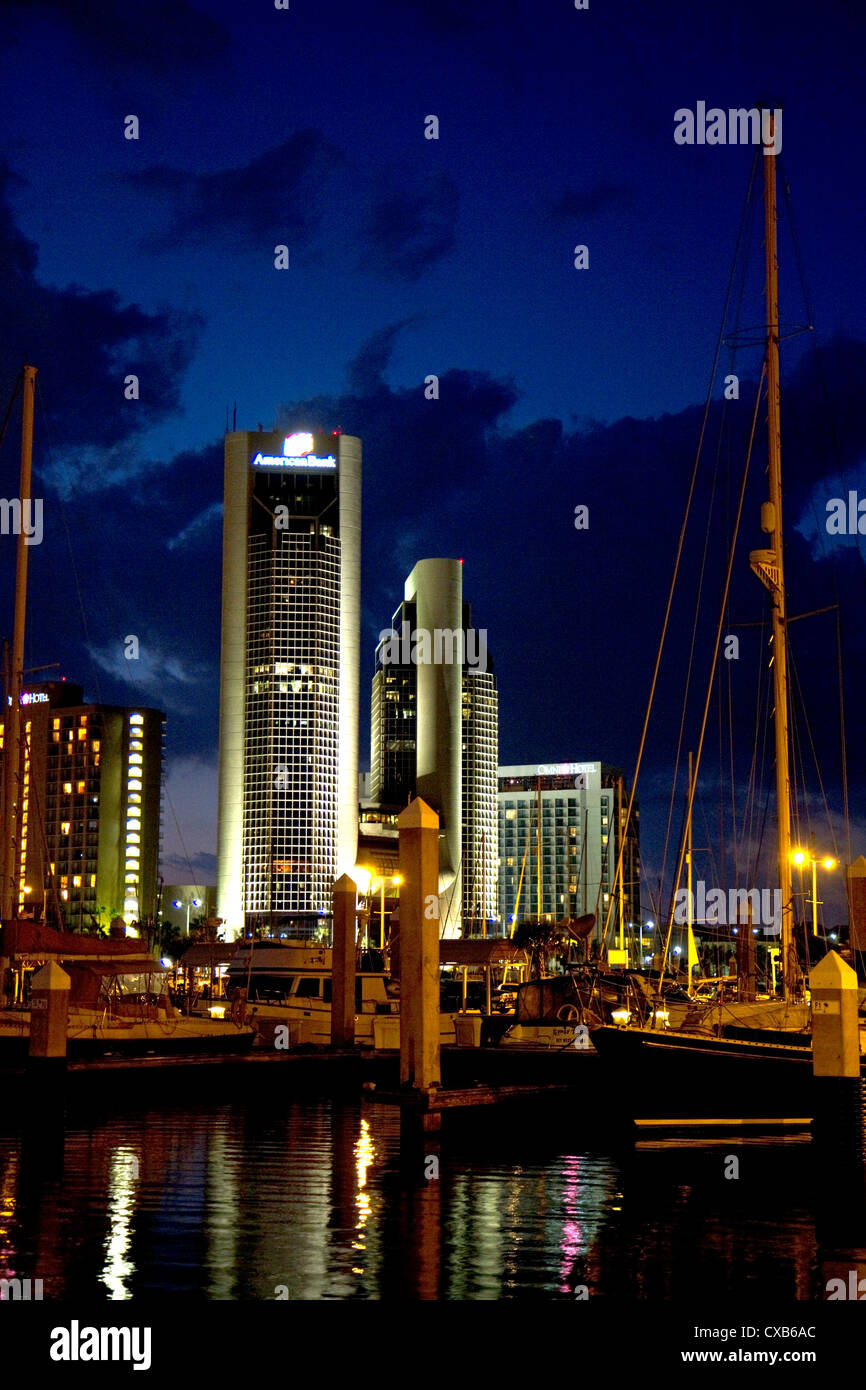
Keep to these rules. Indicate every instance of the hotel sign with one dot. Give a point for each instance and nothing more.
(561, 769)
(297, 454)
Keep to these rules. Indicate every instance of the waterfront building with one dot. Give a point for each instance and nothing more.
(579, 842)
(288, 757)
(434, 734)
(91, 808)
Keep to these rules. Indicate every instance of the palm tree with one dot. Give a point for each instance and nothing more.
(540, 940)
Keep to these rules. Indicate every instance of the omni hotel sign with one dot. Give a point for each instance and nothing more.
(297, 454)
(577, 770)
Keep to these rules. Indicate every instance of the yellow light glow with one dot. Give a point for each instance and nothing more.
(397, 879)
(829, 863)
(798, 856)
(363, 876)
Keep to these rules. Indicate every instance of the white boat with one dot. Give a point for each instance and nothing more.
(288, 983)
(122, 1007)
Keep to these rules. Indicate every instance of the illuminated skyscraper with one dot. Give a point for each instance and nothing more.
(435, 734)
(580, 822)
(291, 595)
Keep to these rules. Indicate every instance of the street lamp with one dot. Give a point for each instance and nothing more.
(800, 858)
(194, 902)
(396, 879)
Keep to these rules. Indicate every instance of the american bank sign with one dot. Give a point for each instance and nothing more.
(297, 454)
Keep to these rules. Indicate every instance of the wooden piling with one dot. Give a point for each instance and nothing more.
(345, 900)
(418, 826)
(46, 1066)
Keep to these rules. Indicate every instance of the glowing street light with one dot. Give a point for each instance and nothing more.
(800, 857)
(195, 902)
(369, 881)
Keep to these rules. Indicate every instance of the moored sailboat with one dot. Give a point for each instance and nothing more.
(753, 1059)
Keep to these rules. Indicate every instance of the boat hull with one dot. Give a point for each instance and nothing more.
(657, 1076)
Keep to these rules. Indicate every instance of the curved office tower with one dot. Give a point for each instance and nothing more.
(288, 766)
(434, 723)
(436, 589)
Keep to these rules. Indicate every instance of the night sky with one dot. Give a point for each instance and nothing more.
(408, 257)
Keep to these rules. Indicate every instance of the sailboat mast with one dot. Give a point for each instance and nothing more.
(12, 738)
(772, 571)
(622, 874)
(538, 845)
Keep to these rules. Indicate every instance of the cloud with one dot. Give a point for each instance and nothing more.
(156, 35)
(295, 193)
(437, 444)
(199, 525)
(281, 193)
(411, 223)
(365, 373)
(84, 344)
(189, 828)
(158, 675)
(581, 204)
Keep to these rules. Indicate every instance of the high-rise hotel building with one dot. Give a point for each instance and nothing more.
(91, 778)
(435, 734)
(291, 596)
(568, 870)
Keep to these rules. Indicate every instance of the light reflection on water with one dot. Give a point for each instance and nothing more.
(236, 1201)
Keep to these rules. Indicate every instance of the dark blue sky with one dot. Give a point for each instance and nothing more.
(409, 257)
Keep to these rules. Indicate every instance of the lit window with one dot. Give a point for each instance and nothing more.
(64, 895)
(131, 878)
(134, 784)
(56, 723)
(82, 735)
(76, 880)
(136, 719)
(135, 745)
(135, 759)
(67, 787)
(79, 786)
(95, 745)
(132, 838)
(92, 879)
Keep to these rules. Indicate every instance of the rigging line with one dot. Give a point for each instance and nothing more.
(714, 667)
(61, 508)
(48, 870)
(845, 811)
(746, 831)
(695, 626)
(680, 543)
(766, 783)
(94, 669)
(16, 392)
(805, 716)
(795, 242)
(143, 699)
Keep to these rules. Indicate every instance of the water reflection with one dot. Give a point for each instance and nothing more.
(322, 1199)
(123, 1175)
